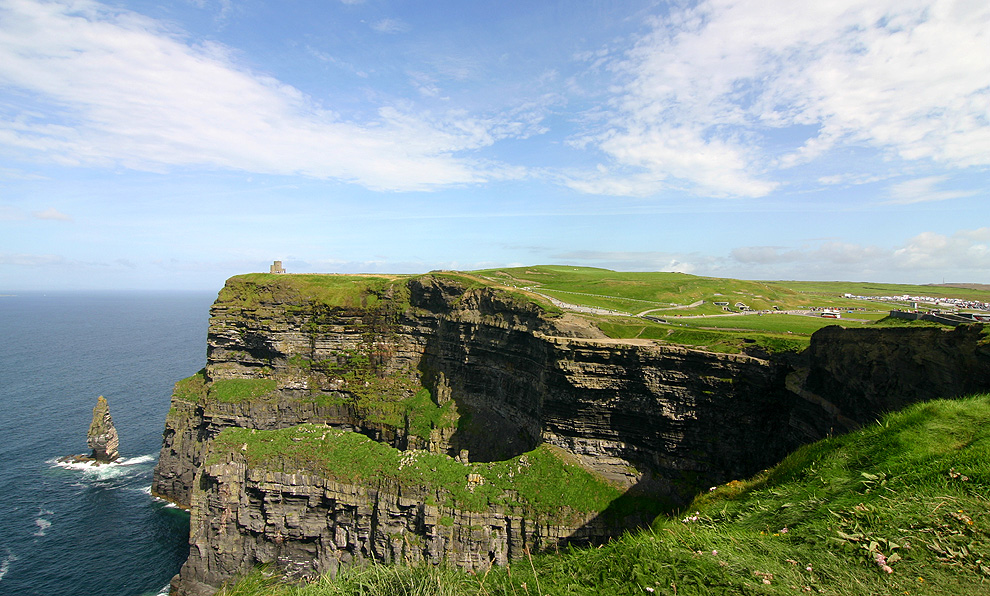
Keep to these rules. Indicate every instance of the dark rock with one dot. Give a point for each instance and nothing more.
(102, 436)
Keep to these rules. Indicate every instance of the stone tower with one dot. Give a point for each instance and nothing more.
(276, 267)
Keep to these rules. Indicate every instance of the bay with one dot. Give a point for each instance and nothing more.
(85, 530)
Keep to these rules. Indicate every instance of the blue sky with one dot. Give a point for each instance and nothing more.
(172, 144)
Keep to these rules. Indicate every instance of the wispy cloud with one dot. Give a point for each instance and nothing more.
(921, 190)
(712, 89)
(123, 90)
(928, 254)
(51, 213)
(390, 26)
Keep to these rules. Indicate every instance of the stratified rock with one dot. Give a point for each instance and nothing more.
(102, 436)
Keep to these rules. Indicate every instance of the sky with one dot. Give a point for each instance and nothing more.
(171, 144)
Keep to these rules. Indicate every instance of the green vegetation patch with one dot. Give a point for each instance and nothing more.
(392, 399)
(635, 292)
(712, 340)
(779, 323)
(541, 481)
(191, 389)
(902, 506)
(237, 390)
(344, 291)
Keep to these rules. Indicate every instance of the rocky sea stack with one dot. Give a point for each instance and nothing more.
(102, 436)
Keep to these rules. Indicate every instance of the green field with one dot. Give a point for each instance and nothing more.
(635, 292)
(900, 507)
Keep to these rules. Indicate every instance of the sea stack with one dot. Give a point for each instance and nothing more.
(102, 436)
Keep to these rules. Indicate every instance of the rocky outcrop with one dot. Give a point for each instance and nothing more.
(484, 375)
(102, 436)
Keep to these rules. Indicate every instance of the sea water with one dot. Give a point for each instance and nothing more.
(78, 529)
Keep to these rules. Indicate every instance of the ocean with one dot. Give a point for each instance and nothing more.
(79, 530)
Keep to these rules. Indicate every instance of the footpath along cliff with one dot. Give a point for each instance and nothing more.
(436, 418)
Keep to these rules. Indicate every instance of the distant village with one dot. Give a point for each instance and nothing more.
(956, 303)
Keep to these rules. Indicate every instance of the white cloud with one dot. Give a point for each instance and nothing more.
(52, 213)
(122, 90)
(390, 26)
(712, 89)
(962, 256)
(922, 190)
(965, 254)
(964, 249)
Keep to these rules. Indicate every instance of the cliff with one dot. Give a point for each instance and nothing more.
(446, 367)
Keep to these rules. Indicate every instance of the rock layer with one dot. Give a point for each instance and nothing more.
(102, 436)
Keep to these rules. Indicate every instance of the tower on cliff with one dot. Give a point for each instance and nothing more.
(276, 267)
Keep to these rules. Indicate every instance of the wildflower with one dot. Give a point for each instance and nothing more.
(808, 568)
(783, 530)
(881, 562)
(714, 553)
(712, 489)
(649, 589)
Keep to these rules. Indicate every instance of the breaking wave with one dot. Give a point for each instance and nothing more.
(128, 466)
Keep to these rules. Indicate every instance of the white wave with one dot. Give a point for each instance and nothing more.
(5, 564)
(133, 461)
(43, 525)
(100, 471)
(164, 591)
(165, 502)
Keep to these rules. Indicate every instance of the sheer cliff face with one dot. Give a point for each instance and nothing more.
(483, 375)
(871, 371)
(664, 418)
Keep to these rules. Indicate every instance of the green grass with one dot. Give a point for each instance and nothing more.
(713, 340)
(238, 390)
(801, 324)
(192, 389)
(634, 292)
(913, 488)
(541, 481)
(342, 291)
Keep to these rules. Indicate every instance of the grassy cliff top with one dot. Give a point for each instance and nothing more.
(900, 507)
(667, 307)
(349, 291)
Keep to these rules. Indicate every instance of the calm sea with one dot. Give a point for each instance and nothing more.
(84, 531)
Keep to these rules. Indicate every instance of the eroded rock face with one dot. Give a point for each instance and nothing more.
(102, 436)
(308, 525)
(655, 419)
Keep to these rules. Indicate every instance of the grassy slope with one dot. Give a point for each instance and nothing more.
(912, 489)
